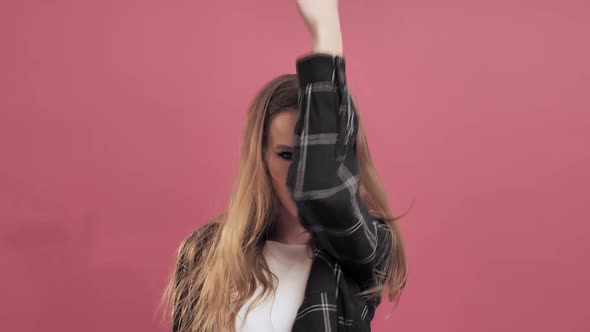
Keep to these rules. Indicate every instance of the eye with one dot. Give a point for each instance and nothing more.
(285, 155)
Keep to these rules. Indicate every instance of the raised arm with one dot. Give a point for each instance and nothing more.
(323, 177)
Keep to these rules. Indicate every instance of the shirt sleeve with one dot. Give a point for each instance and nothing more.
(323, 177)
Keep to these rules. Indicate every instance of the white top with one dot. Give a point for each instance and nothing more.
(291, 265)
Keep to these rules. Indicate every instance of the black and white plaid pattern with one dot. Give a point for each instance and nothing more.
(323, 179)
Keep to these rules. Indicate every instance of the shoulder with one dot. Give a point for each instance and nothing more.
(202, 233)
(380, 222)
(194, 246)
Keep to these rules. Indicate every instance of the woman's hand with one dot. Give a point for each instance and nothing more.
(323, 22)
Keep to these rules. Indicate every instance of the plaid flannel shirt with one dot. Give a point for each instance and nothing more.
(323, 179)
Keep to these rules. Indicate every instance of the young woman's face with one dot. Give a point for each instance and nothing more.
(279, 152)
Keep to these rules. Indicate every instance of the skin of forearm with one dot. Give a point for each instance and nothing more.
(328, 37)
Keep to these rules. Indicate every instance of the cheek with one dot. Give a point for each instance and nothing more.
(278, 168)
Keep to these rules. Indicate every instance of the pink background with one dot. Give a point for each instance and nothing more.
(119, 133)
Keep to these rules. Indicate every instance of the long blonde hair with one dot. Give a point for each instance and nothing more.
(220, 264)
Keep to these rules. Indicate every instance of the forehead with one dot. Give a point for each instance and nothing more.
(282, 127)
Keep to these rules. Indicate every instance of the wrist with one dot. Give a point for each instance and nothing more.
(328, 39)
(328, 47)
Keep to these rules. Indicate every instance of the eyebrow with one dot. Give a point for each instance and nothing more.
(282, 146)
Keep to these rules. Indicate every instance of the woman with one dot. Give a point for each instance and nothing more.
(307, 241)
